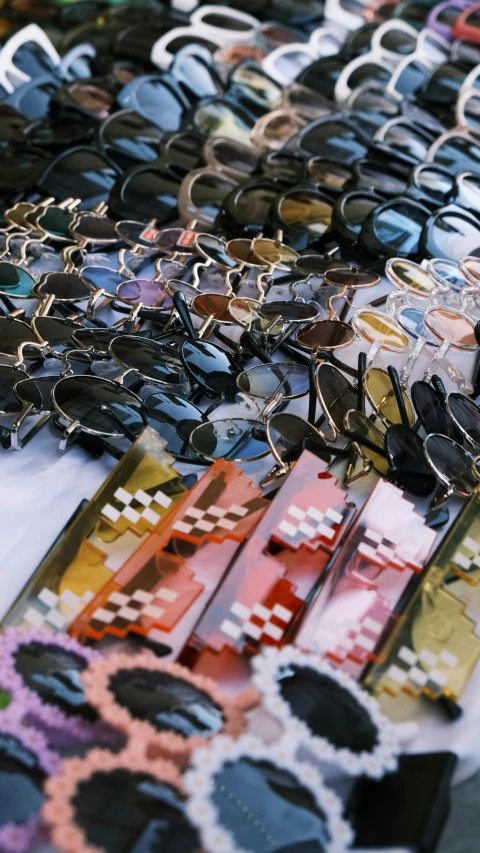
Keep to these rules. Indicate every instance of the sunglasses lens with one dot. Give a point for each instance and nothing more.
(335, 141)
(327, 708)
(89, 400)
(152, 193)
(15, 280)
(158, 104)
(149, 809)
(399, 227)
(379, 328)
(132, 136)
(337, 394)
(213, 368)
(287, 434)
(330, 175)
(455, 236)
(326, 334)
(22, 780)
(452, 326)
(473, 19)
(411, 77)
(236, 439)
(80, 174)
(266, 381)
(54, 674)
(466, 414)
(257, 87)
(405, 453)
(98, 339)
(213, 305)
(67, 286)
(430, 411)
(9, 377)
(55, 331)
(451, 463)
(368, 72)
(150, 358)
(32, 60)
(226, 22)
(444, 84)
(382, 395)
(361, 424)
(208, 192)
(12, 335)
(221, 119)
(321, 76)
(306, 212)
(398, 41)
(104, 278)
(174, 419)
(290, 312)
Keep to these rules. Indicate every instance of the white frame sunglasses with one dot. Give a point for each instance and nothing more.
(431, 51)
(323, 42)
(10, 76)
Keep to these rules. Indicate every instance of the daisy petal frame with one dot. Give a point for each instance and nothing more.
(59, 812)
(96, 679)
(198, 783)
(383, 759)
(14, 837)
(50, 716)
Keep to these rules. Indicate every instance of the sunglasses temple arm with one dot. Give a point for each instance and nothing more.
(362, 366)
(312, 391)
(181, 306)
(358, 438)
(393, 374)
(439, 389)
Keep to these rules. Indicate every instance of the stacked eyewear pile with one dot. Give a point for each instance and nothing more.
(242, 235)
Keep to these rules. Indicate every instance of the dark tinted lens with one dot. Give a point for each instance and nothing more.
(451, 463)
(208, 193)
(89, 400)
(435, 183)
(215, 249)
(466, 414)
(96, 229)
(152, 193)
(131, 135)
(399, 227)
(213, 368)
(322, 75)
(454, 236)
(65, 286)
(430, 411)
(32, 60)
(150, 358)
(287, 435)
(184, 150)
(20, 168)
(236, 439)
(35, 101)
(38, 392)
(99, 339)
(377, 178)
(9, 376)
(174, 419)
(366, 72)
(411, 78)
(335, 141)
(275, 798)
(337, 394)
(56, 332)
(291, 312)
(443, 85)
(225, 22)
(325, 334)
(55, 674)
(448, 16)
(473, 19)
(56, 221)
(183, 41)
(398, 41)
(356, 209)
(327, 708)
(408, 467)
(81, 174)
(159, 104)
(168, 703)
(407, 141)
(306, 212)
(21, 782)
(459, 155)
(149, 809)
(13, 334)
